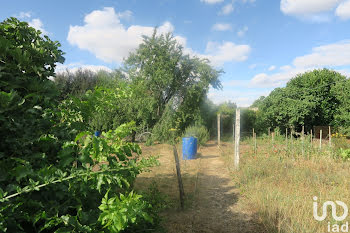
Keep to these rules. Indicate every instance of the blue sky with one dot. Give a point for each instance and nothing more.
(259, 44)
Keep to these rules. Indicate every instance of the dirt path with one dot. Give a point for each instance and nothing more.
(213, 200)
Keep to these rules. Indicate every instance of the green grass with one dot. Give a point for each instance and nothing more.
(279, 182)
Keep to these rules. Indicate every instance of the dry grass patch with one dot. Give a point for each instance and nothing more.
(280, 185)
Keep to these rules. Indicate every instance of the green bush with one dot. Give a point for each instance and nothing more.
(50, 182)
(344, 153)
(198, 131)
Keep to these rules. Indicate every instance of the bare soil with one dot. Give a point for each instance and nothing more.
(213, 203)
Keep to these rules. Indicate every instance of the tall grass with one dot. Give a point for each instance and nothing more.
(280, 181)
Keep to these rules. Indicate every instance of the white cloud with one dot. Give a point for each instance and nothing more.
(336, 55)
(343, 10)
(264, 80)
(271, 68)
(242, 31)
(252, 66)
(279, 79)
(104, 35)
(166, 27)
(307, 7)
(316, 10)
(127, 15)
(73, 67)
(24, 15)
(212, 1)
(35, 23)
(218, 53)
(221, 27)
(227, 9)
(38, 25)
(108, 39)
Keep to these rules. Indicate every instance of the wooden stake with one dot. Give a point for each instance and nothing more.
(321, 139)
(311, 137)
(219, 129)
(253, 140)
(302, 132)
(179, 179)
(286, 138)
(237, 137)
(286, 134)
(311, 143)
(330, 136)
(302, 141)
(255, 148)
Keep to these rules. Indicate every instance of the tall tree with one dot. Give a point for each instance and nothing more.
(342, 116)
(27, 60)
(308, 99)
(169, 85)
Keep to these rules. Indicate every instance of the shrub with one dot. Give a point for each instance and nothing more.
(48, 181)
(198, 131)
(344, 153)
(72, 195)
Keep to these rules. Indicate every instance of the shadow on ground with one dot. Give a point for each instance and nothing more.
(210, 205)
(211, 199)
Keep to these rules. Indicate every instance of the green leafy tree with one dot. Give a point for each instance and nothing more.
(169, 85)
(257, 103)
(308, 99)
(50, 182)
(342, 116)
(102, 109)
(248, 119)
(27, 60)
(77, 83)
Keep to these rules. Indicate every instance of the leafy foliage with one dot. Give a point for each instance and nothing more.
(309, 99)
(27, 60)
(198, 131)
(48, 181)
(101, 109)
(248, 121)
(77, 83)
(102, 164)
(119, 213)
(169, 86)
(344, 153)
(342, 116)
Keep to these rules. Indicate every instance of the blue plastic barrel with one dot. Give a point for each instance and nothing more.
(97, 133)
(189, 148)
